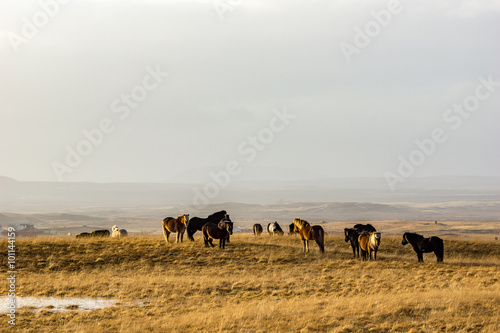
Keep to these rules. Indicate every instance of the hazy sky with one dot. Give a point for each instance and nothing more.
(162, 90)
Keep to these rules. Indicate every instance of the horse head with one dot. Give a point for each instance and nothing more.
(299, 224)
(375, 238)
(346, 234)
(185, 219)
(229, 227)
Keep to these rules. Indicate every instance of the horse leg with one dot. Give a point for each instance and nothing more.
(439, 256)
(165, 233)
(420, 256)
(211, 242)
(357, 249)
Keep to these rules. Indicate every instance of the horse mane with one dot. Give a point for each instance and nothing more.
(217, 213)
(413, 234)
(300, 223)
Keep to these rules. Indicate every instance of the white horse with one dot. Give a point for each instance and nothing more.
(118, 232)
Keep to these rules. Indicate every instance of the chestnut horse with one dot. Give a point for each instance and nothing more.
(175, 225)
(308, 232)
(369, 243)
(257, 229)
(423, 245)
(219, 231)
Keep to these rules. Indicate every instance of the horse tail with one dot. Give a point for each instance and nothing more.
(164, 229)
(189, 231)
(319, 237)
(440, 249)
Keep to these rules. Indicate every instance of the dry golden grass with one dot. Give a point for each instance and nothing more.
(263, 284)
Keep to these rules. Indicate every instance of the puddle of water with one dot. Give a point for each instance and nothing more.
(58, 304)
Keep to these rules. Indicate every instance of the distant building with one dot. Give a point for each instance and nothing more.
(25, 227)
(27, 230)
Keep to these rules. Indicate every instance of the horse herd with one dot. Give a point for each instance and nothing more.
(219, 226)
(116, 232)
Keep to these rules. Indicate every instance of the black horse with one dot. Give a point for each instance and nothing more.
(292, 231)
(196, 223)
(100, 233)
(352, 235)
(424, 245)
(360, 228)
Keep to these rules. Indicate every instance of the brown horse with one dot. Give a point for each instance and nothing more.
(219, 231)
(175, 225)
(364, 240)
(369, 243)
(308, 232)
(257, 229)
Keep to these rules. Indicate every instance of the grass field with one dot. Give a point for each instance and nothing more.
(263, 284)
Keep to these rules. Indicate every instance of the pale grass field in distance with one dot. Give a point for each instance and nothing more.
(257, 284)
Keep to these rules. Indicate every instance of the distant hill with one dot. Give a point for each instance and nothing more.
(349, 199)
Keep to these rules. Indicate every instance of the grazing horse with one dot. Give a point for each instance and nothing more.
(175, 225)
(360, 228)
(84, 235)
(117, 232)
(423, 245)
(219, 231)
(352, 235)
(257, 229)
(291, 227)
(274, 229)
(369, 243)
(196, 223)
(100, 233)
(308, 232)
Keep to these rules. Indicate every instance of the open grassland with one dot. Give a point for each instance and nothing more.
(257, 284)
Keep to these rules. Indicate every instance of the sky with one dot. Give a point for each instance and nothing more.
(172, 91)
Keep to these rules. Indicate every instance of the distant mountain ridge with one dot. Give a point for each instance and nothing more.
(354, 193)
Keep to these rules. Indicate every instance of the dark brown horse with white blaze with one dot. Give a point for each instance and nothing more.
(219, 231)
(423, 245)
(309, 232)
(175, 225)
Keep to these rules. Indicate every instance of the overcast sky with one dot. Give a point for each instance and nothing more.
(166, 90)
